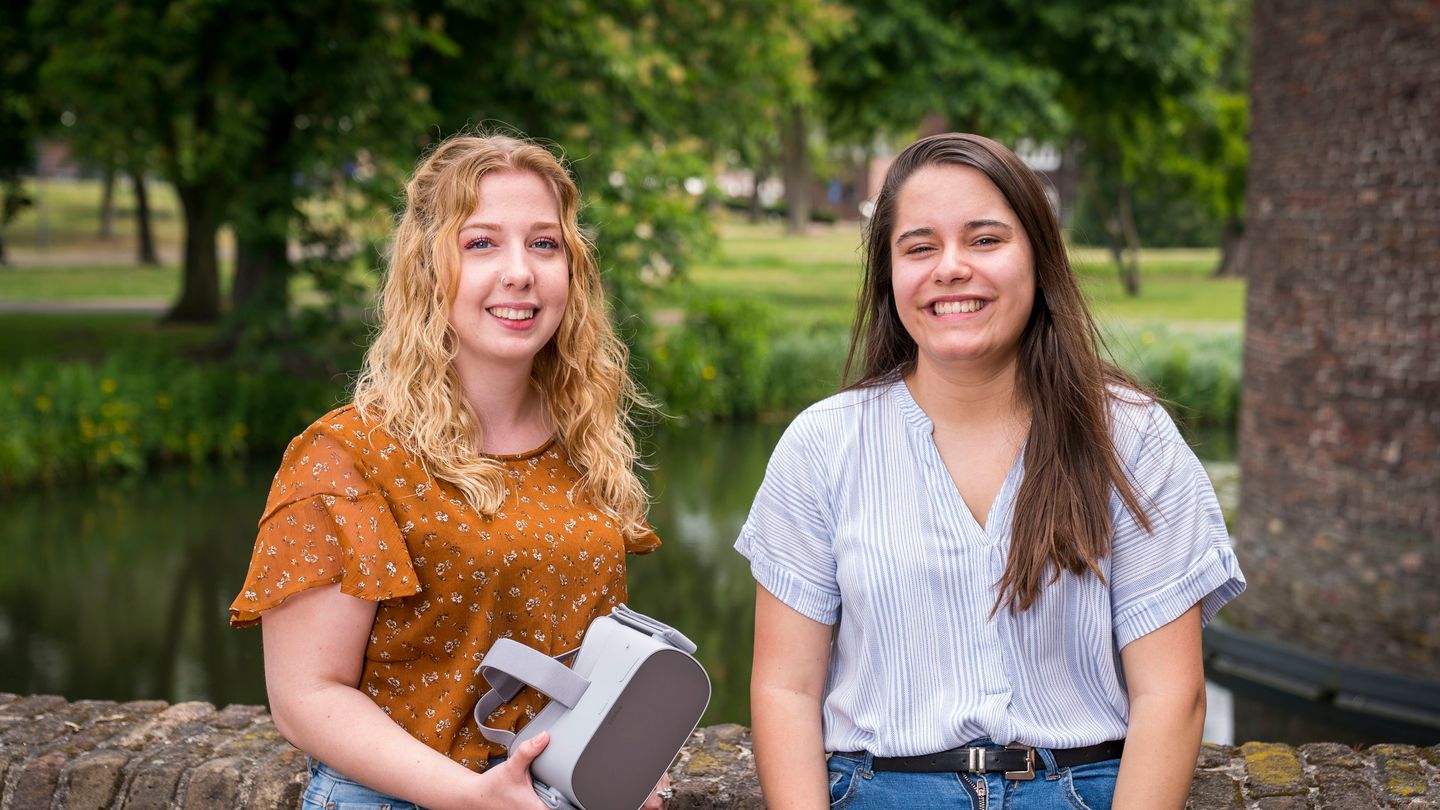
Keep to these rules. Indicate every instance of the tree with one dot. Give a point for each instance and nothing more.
(1117, 64)
(644, 98)
(900, 62)
(18, 69)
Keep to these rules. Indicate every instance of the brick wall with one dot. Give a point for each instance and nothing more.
(1339, 522)
(88, 755)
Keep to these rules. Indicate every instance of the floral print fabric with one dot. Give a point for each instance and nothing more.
(349, 506)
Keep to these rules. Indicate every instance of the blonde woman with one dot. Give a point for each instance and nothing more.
(480, 486)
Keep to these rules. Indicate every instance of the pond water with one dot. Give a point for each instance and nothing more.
(119, 591)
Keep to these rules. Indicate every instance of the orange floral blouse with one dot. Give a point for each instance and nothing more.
(348, 505)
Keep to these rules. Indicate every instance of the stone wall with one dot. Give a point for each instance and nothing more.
(89, 755)
(1339, 522)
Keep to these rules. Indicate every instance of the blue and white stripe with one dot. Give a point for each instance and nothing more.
(858, 523)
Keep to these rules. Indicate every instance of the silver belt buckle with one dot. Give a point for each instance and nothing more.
(1029, 772)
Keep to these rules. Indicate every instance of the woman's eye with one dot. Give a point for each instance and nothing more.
(479, 243)
(986, 241)
(919, 250)
(546, 243)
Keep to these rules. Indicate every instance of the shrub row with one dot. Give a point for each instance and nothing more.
(63, 421)
(734, 360)
(731, 360)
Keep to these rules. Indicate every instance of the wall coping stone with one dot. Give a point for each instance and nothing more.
(94, 754)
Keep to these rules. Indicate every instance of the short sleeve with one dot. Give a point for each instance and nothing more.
(788, 534)
(644, 543)
(323, 524)
(1186, 558)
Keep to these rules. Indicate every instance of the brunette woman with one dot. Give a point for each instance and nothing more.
(983, 568)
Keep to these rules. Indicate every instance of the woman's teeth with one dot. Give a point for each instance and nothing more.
(512, 314)
(953, 307)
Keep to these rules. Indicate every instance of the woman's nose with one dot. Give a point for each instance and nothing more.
(517, 273)
(952, 266)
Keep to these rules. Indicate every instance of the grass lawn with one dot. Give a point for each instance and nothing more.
(90, 337)
(813, 279)
(808, 280)
(66, 215)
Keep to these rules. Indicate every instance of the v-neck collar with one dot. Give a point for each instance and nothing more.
(943, 486)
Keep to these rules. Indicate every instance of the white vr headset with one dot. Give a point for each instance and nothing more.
(617, 718)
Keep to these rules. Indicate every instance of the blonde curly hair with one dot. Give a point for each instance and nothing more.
(408, 385)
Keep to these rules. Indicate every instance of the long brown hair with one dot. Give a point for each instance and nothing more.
(1062, 513)
(409, 386)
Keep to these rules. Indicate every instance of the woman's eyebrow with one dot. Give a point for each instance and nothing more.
(491, 226)
(987, 223)
(914, 232)
(973, 224)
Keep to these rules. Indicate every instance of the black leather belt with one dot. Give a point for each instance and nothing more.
(1015, 761)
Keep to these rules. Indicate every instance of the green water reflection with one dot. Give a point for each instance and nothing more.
(119, 591)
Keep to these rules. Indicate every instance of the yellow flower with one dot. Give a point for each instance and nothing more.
(116, 448)
(42, 404)
(1146, 338)
(163, 401)
(707, 373)
(107, 386)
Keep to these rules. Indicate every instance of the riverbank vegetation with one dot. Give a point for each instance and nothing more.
(758, 330)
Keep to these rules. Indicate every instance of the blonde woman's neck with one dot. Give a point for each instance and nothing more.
(510, 409)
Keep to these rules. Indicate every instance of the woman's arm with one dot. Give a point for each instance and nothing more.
(1165, 677)
(314, 654)
(792, 653)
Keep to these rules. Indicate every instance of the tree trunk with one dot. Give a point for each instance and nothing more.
(107, 201)
(757, 205)
(1234, 249)
(1129, 241)
(199, 300)
(144, 235)
(262, 271)
(796, 170)
(1067, 182)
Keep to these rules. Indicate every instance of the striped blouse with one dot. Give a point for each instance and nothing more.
(858, 524)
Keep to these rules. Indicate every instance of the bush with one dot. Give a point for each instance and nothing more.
(70, 420)
(1199, 374)
(737, 360)
(732, 359)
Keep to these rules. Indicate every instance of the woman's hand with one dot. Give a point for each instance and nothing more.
(508, 784)
(657, 798)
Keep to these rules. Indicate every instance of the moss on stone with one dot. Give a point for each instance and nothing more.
(1273, 769)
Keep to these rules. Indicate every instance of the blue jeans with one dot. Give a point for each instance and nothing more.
(853, 786)
(329, 790)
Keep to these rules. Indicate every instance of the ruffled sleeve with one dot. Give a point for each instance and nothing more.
(324, 523)
(643, 544)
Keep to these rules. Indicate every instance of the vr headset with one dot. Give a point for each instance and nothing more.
(617, 718)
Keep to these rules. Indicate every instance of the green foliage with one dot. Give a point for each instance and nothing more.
(733, 359)
(899, 62)
(62, 421)
(1198, 373)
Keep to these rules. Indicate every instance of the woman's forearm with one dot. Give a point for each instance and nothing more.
(343, 728)
(1161, 748)
(787, 682)
(789, 751)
